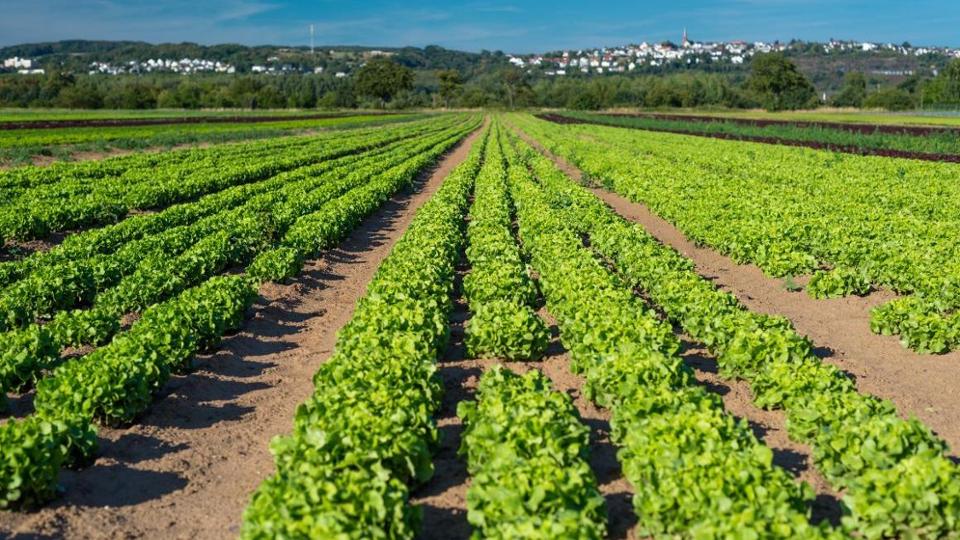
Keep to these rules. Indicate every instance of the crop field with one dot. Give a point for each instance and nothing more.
(480, 325)
(22, 140)
(915, 142)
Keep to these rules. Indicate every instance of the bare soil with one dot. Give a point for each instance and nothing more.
(919, 385)
(188, 467)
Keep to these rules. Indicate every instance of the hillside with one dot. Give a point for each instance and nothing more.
(77, 55)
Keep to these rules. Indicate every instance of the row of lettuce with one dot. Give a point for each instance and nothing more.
(895, 474)
(185, 309)
(19, 146)
(42, 202)
(853, 222)
(498, 289)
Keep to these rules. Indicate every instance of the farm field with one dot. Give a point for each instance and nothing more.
(49, 136)
(24, 115)
(840, 115)
(909, 141)
(480, 324)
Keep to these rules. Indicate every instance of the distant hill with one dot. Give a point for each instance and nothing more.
(826, 70)
(76, 55)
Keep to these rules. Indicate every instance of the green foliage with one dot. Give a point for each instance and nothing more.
(498, 289)
(83, 327)
(944, 89)
(778, 84)
(853, 91)
(891, 99)
(23, 353)
(147, 259)
(382, 78)
(504, 329)
(33, 450)
(945, 142)
(116, 383)
(276, 264)
(842, 281)
(155, 264)
(918, 498)
(451, 84)
(526, 452)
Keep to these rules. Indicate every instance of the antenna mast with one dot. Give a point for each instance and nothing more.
(311, 39)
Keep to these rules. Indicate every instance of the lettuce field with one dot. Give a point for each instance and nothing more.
(478, 325)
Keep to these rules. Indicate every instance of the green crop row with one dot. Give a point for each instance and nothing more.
(498, 290)
(896, 477)
(22, 179)
(81, 135)
(19, 145)
(697, 472)
(367, 432)
(527, 452)
(70, 204)
(227, 239)
(854, 222)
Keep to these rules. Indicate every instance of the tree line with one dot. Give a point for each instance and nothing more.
(772, 82)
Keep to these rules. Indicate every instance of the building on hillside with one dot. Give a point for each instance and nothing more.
(18, 63)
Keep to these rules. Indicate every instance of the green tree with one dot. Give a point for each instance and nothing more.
(83, 95)
(944, 89)
(853, 91)
(516, 87)
(778, 84)
(891, 99)
(450, 85)
(583, 101)
(382, 78)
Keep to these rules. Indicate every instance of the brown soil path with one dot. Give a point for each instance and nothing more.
(188, 467)
(920, 385)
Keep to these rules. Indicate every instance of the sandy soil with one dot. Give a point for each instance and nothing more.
(920, 385)
(188, 467)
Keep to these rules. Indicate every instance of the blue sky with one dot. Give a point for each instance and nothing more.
(511, 26)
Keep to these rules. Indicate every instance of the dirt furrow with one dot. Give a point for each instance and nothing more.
(188, 467)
